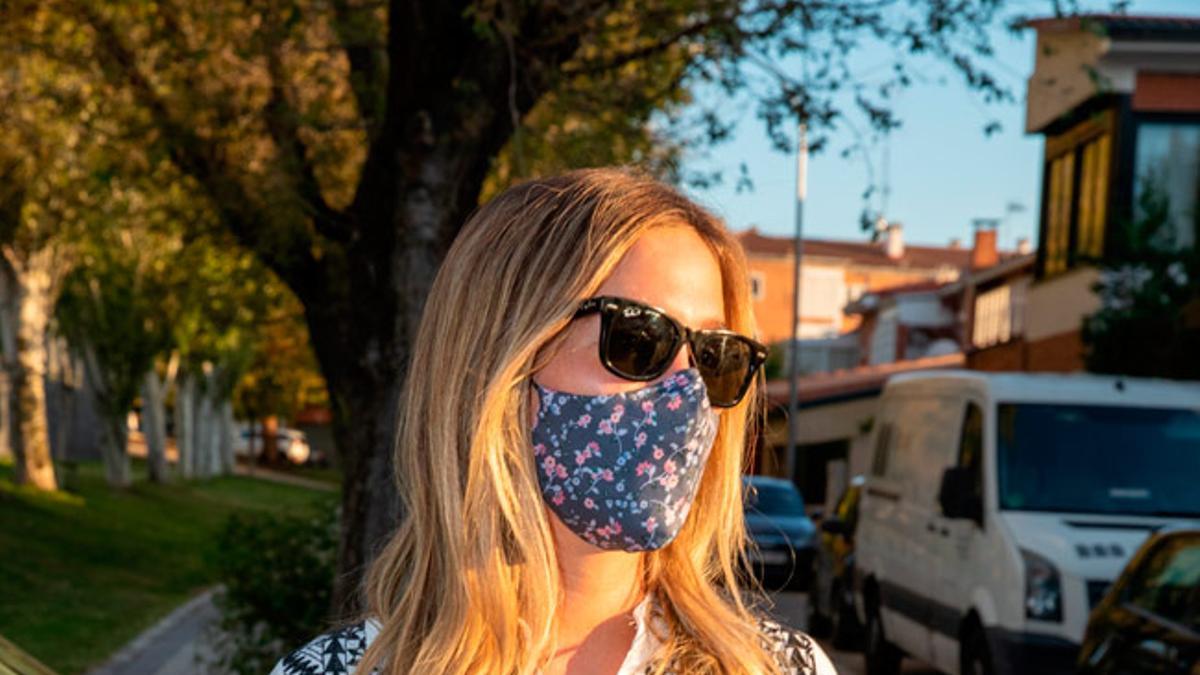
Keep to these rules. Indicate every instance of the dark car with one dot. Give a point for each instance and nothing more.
(1149, 620)
(784, 538)
(831, 602)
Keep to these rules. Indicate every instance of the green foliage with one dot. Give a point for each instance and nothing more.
(278, 576)
(111, 305)
(1149, 320)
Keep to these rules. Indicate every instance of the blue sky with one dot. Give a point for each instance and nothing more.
(944, 172)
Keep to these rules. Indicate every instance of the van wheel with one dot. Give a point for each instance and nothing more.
(843, 624)
(818, 623)
(880, 656)
(974, 656)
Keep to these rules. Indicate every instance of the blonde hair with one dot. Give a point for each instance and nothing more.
(469, 583)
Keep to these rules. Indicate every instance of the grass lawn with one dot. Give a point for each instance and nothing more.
(83, 572)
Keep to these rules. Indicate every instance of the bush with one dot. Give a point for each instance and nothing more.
(277, 573)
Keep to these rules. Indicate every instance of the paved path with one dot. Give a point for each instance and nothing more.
(274, 476)
(173, 646)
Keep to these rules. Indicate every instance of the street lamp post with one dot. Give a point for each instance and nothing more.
(794, 345)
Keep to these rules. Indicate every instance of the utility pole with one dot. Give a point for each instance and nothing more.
(794, 346)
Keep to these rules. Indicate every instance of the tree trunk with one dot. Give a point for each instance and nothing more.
(185, 395)
(209, 425)
(366, 379)
(370, 507)
(228, 437)
(116, 452)
(29, 298)
(114, 423)
(154, 412)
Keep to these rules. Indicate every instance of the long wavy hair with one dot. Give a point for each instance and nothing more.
(469, 582)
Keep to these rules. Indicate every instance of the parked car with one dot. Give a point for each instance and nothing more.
(1149, 620)
(831, 600)
(784, 538)
(291, 444)
(999, 507)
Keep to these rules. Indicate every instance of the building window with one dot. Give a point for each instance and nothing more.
(758, 286)
(1168, 162)
(1058, 213)
(1093, 197)
(1075, 206)
(999, 314)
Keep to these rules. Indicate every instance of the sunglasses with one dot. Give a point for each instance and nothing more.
(639, 342)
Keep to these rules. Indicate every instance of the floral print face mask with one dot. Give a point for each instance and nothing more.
(621, 470)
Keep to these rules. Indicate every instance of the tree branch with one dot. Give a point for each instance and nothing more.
(290, 255)
(368, 60)
(280, 118)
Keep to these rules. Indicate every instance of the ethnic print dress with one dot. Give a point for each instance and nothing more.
(339, 651)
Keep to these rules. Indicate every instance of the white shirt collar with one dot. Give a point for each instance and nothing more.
(645, 643)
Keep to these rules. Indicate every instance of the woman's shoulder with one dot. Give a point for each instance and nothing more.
(798, 653)
(334, 653)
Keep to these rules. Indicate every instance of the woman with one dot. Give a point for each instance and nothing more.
(571, 448)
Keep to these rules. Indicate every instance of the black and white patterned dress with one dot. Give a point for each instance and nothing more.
(339, 651)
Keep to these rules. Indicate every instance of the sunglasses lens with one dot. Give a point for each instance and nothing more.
(724, 361)
(640, 343)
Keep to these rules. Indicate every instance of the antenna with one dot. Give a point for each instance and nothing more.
(886, 188)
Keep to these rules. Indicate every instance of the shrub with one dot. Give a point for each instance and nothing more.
(277, 573)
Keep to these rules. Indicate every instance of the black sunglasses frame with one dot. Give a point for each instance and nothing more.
(607, 306)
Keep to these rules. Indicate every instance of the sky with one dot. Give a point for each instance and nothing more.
(944, 172)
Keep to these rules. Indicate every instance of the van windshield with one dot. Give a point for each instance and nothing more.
(1098, 459)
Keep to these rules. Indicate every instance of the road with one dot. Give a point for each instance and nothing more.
(790, 609)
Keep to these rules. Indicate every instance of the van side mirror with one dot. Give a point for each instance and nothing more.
(957, 495)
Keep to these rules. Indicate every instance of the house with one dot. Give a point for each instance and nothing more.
(834, 273)
(1117, 99)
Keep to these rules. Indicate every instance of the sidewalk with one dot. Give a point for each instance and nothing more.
(240, 469)
(172, 646)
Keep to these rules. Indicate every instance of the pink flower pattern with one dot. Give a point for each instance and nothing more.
(621, 480)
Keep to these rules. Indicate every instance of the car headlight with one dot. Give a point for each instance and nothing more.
(1043, 588)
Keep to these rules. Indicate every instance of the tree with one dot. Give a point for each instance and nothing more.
(345, 142)
(47, 152)
(218, 298)
(109, 312)
(1148, 323)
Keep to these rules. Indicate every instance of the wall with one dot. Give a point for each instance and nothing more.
(1005, 357)
(1062, 353)
(1060, 79)
(1058, 305)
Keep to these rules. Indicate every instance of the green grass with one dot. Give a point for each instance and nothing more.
(83, 572)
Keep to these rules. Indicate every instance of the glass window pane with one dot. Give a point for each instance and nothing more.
(1099, 459)
(1058, 212)
(1168, 162)
(1168, 583)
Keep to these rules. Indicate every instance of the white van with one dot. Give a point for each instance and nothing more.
(999, 507)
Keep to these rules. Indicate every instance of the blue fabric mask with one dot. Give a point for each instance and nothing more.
(621, 471)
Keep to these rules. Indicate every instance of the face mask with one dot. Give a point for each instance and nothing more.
(621, 470)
